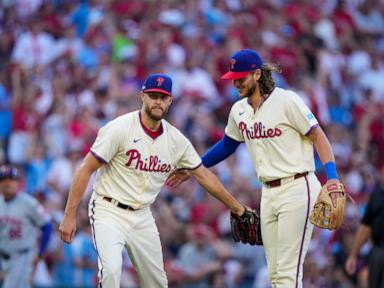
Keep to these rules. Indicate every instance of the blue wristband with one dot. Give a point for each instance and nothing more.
(330, 170)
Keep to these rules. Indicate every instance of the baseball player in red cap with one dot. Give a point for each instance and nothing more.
(280, 132)
(133, 156)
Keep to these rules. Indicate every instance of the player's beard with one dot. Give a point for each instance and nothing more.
(251, 90)
(153, 116)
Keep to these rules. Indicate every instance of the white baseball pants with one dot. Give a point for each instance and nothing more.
(113, 230)
(286, 229)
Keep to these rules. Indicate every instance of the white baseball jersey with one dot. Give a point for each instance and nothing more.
(275, 134)
(138, 165)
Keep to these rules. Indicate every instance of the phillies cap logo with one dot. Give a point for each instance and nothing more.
(160, 81)
(232, 63)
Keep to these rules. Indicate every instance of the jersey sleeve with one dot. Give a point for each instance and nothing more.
(107, 142)
(232, 130)
(299, 115)
(37, 214)
(189, 159)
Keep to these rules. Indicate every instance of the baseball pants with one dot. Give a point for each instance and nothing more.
(113, 230)
(286, 229)
(18, 270)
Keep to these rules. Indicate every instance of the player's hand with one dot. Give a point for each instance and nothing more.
(350, 265)
(335, 195)
(177, 177)
(239, 211)
(67, 228)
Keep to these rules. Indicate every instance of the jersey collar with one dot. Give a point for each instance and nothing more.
(150, 133)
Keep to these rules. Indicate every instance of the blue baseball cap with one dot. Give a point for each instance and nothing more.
(8, 172)
(158, 83)
(242, 63)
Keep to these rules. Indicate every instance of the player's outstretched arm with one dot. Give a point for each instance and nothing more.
(217, 153)
(212, 184)
(80, 181)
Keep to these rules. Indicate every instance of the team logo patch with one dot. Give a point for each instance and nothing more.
(310, 116)
(160, 81)
(232, 63)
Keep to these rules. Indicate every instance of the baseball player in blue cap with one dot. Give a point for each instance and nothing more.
(133, 156)
(280, 133)
(22, 221)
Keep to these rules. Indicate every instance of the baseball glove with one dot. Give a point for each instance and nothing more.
(246, 228)
(325, 214)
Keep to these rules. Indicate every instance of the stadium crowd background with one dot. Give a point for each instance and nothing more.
(68, 67)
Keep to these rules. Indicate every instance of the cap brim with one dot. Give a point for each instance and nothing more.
(157, 90)
(234, 75)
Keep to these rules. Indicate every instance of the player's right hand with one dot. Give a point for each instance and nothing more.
(67, 228)
(177, 177)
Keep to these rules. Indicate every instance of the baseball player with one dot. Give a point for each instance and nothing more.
(279, 132)
(21, 219)
(133, 156)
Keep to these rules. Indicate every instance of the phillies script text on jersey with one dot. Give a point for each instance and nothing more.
(258, 131)
(153, 165)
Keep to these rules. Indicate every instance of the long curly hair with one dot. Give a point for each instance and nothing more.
(266, 81)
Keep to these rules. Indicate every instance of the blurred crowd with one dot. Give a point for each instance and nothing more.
(69, 66)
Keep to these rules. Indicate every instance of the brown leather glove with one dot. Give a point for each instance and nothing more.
(326, 214)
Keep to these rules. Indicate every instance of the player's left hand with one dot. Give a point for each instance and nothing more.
(177, 177)
(334, 195)
(328, 211)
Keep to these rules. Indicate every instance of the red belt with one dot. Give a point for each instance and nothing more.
(277, 182)
(118, 204)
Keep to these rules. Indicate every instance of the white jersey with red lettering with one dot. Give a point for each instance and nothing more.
(283, 157)
(275, 134)
(136, 166)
